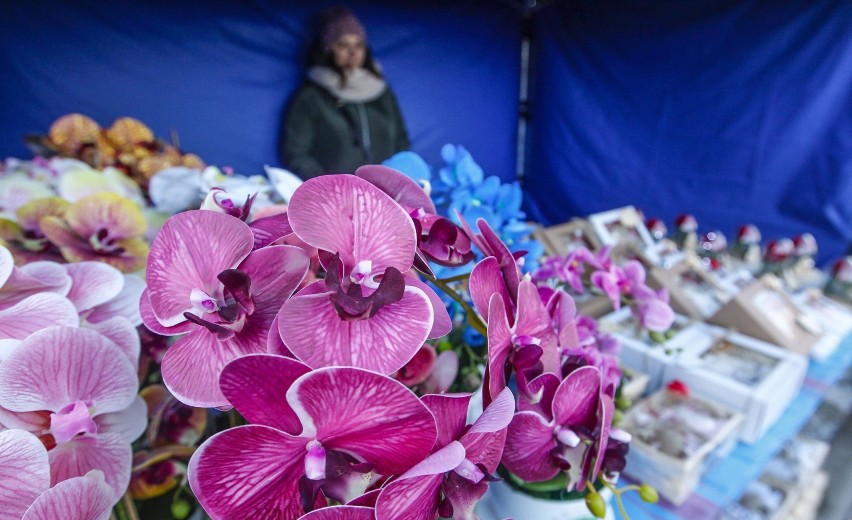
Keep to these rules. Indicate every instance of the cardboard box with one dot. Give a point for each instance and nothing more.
(833, 318)
(745, 374)
(766, 312)
(561, 239)
(693, 290)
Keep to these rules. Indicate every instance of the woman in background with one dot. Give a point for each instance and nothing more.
(345, 115)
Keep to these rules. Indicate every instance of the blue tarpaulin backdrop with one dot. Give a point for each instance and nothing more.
(735, 111)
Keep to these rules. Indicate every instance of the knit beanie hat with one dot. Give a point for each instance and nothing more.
(336, 22)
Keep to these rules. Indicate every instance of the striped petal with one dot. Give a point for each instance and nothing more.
(61, 365)
(400, 187)
(341, 513)
(106, 452)
(312, 329)
(529, 442)
(24, 472)
(364, 413)
(35, 313)
(81, 498)
(348, 215)
(93, 284)
(265, 403)
(249, 472)
(189, 253)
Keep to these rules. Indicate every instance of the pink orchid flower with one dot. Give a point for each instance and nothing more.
(438, 238)
(572, 437)
(334, 428)
(18, 283)
(205, 280)
(454, 477)
(497, 273)
(527, 348)
(369, 312)
(76, 391)
(27, 494)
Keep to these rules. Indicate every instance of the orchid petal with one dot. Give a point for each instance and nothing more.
(109, 211)
(443, 373)
(80, 498)
(576, 399)
(534, 320)
(563, 309)
(383, 343)
(7, 265)
(348, 215)
(341, 513)
(442, 324)
(189, 253)
(415, 494)
(59, 365)
(36, 313)
(362, 412)
(544, 388)
(496, 416)
(275, 273)
(274, 343)
(94, 283)
(129, 423)
(606, 410)
(107, 452)
(263, 403)
(450, 413)
(249, 472)
(529, 441)
(125, 305)
(191, 367)
(401, 188)
(463, 495)
(122, 333)
(499, 343)
(485, 280)
(153, 323)
(34, 278)
(269, 229)
(24, 471)
(29, 215)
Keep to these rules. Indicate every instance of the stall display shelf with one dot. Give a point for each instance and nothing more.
(726, 479)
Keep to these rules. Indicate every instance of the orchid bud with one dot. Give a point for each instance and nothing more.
(596, 503)
(180, 509)
(648, 494)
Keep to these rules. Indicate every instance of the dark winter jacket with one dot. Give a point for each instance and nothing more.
(325, 134)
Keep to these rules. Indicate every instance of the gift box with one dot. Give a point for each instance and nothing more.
(642, 353)
(675, 438)
(742, 373)
(764, 311)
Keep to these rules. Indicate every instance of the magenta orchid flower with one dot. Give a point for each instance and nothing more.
(26, 493)
(438, 238)
(572, 437)
(454, 477)
(497, 273)
(334, 428)
(204, 279)
(367, 312)
(652, 308)
(527, 348)
(76, 391)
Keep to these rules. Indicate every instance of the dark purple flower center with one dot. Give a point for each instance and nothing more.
(350, 303)
(102, 243)
(230, 314)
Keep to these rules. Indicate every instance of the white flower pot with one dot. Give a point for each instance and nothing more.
(503, 501)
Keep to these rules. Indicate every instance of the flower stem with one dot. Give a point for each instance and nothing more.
(473, 319)
(129, 507)
(617, 494)
(457, 278)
